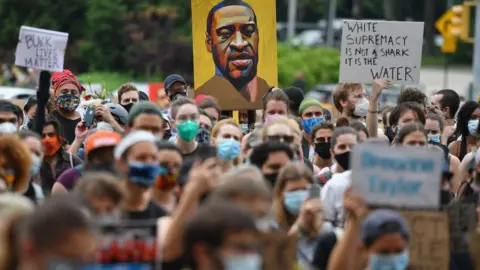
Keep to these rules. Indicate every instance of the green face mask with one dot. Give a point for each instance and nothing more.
(187, 130)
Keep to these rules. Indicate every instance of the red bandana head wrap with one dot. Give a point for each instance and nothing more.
(60, 78)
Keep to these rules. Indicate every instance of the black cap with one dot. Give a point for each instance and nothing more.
(173, 78)
(295, 95)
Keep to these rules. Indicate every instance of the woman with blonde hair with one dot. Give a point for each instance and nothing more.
(226, 136)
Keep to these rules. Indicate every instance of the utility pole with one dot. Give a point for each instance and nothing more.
(476, 54)
(332, 13)
(292, 19)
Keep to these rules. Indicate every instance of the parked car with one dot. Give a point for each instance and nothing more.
(10, 92)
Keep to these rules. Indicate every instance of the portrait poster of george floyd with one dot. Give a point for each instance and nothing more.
(234, 51)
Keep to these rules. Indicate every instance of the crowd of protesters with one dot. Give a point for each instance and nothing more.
(206, 185)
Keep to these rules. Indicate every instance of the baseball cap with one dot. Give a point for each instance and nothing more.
(131, 139)
(374, 225)
(173, 78)
(102, 138)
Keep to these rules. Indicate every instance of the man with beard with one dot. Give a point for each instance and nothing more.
(351, 101)
(232, 37)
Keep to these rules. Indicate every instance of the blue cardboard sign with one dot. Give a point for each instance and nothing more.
(397, 176)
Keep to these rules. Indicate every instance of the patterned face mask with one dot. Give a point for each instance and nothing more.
(68, 102)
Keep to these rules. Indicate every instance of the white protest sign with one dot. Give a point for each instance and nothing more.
(399, 177)
(381, 50)
(41, 49)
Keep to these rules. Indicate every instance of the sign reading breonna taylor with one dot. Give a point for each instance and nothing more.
(398, 177)
(381, 50)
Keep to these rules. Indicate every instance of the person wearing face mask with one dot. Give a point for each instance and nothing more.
(33, 142)
(351, 101)
(294, 212)
(467, 129)
(175, 86)
(137, 160)
(311, 113)
(56, 159)
(67, 90)
(163, 192)
(226, 136)
(270, 157)
(275, 104)
(375, 241)
(186, 120)
(229, 243)
(128, 95)
(343, 141)
(98, 158)
(403, 114)
(321, 137)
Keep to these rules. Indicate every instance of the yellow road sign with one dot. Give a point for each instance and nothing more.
(443, 23)
(449, 44)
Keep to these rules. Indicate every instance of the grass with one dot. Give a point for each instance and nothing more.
(113, 80)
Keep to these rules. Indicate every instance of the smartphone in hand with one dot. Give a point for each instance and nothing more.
(89, 116)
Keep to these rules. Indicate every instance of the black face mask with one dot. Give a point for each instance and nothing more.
(128, 106)
(390, 134)
(174, 96)
(167, 134)
(323, 150)
(344, 160)
(271, 178)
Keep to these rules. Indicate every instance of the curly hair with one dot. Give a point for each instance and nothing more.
(412, 95)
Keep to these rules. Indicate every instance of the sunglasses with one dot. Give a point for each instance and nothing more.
(281, 138)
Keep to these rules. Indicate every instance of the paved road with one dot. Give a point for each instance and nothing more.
(458, 80)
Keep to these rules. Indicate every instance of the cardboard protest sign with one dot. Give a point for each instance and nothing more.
(128, 244)
(397, 177)
(381, 50)
(41, 49)
(429, 239)
(234, 51)
(279, 251)
(463, 222)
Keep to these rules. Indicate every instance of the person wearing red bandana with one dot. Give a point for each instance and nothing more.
(66, 98)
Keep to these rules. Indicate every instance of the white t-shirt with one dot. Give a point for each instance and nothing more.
(332, 198)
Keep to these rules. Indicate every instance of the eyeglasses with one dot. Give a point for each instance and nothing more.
(273, 89)
(281, 138)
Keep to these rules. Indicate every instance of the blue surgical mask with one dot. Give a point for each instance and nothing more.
(36, 163)
(243, 262)
(397, 129)
(434, 138)
(391, 262)
(143, 174)
(228, 149)
(472, 127)
(293, 201)
(244, 127)
(308, 124)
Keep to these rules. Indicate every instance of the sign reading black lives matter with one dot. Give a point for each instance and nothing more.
(381, 50)
(41, 49)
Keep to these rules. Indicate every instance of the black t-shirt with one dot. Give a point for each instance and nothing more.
(152, 211)
(68, 126)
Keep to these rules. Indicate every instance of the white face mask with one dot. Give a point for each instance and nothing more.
(361, 108)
